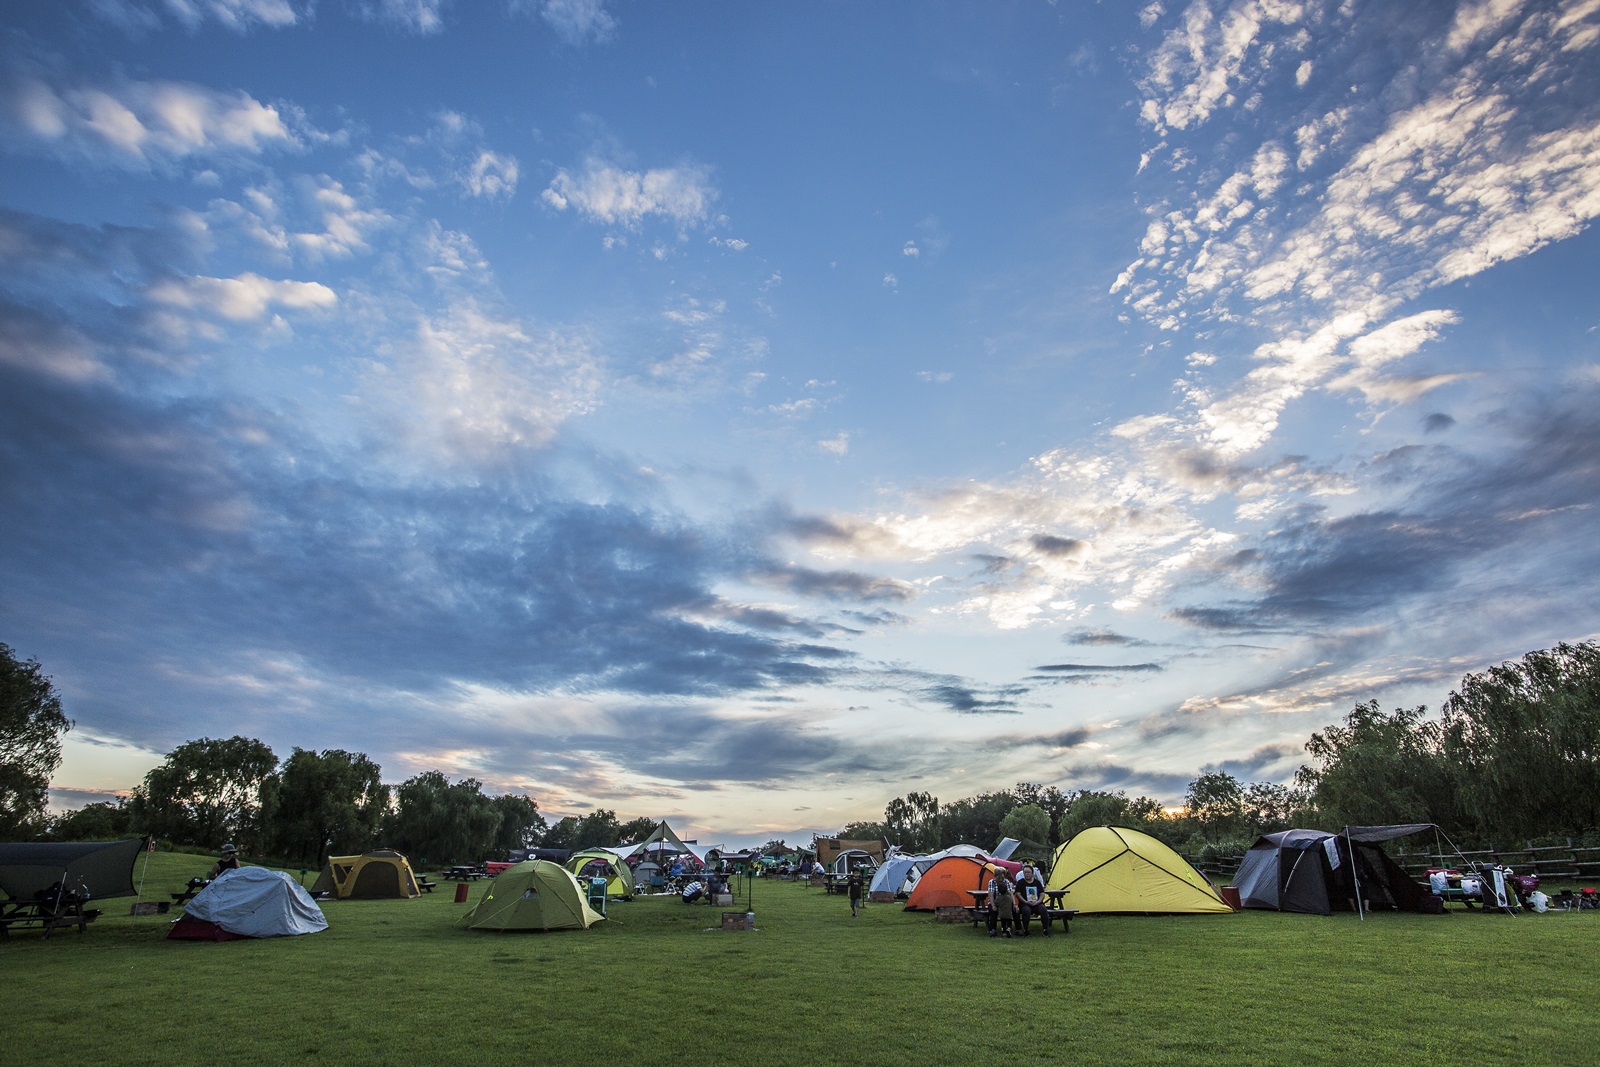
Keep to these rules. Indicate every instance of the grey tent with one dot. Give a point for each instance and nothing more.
(1317, 873)
(248, 902)
(104, 868)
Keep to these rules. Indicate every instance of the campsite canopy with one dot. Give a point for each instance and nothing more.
(104, 868)
(659, 843)
(1109, 869)
(1317, 873)
(533, 895)
(249, 902)
(383, 874)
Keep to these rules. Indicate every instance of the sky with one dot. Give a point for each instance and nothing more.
(746, 414)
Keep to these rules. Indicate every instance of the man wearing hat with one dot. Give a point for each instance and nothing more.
(227, 861)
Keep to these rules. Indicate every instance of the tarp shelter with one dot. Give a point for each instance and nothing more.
(1318, 873)
(601, 863)
(946, 883)
(1113, 869)
(533, 895)
(249, 902)
(104, 868)
(660, 845)
(383, 874)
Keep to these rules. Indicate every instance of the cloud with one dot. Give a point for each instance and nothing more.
(240, 16)
(247, 298)
(140, 125)
(421, 17)
(491, 176)
(1100, 637)
(617, 197)
(576, 22)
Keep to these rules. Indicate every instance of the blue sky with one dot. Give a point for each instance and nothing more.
(749, 413)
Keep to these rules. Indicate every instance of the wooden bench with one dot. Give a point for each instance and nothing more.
(980, 916)
(425, 885)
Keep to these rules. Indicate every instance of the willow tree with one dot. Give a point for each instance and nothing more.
(1525, 739)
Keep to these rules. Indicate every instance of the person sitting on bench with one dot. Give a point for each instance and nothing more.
(1030, 899)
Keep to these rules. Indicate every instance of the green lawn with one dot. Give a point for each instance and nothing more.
(397, 982)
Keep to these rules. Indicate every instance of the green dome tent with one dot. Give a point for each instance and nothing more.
(603, 863)
(533, 895)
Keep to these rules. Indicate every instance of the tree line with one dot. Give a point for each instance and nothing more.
(1514, 753)
(329, 803)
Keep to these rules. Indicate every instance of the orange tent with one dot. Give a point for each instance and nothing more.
(947, 882)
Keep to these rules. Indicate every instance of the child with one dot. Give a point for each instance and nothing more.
(853, 884)
(1000, 903)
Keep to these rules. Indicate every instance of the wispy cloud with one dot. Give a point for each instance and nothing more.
(618, 197)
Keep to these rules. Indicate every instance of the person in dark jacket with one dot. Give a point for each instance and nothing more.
(853, 885)
(1031, 900)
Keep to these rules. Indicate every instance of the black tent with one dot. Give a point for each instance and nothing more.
(1318, 873)
(104, 868)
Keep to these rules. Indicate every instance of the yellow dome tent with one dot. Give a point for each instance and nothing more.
(1111, 869)
(381, 874)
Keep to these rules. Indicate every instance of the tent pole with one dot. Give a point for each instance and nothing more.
(1355, 875)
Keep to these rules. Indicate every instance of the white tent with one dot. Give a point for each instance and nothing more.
(256, 902)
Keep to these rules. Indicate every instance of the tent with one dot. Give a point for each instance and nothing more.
(380, 875)
(248, 902)
(533, 895)
(850, 859)
(947, 882)
(602, 863)
(104, 868)
(1317, 873)
(892, 877)
(1110, 869)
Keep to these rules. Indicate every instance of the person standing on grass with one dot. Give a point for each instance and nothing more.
(1030, 899)
(1001, 911)
(853, 886)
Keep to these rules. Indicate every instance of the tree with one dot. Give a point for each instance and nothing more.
(1524, 738)
(521, 825)
(975, 820)
(104, 821)
(1377, 769)
(207, 792)
(1028, 823)
(1268, 808)
(322, 804)
(564, 834)
(436, 822)
(636, 829)
(31, 725)
(864, 831)
(1215, 802)
(912, 822)
(1091, 807)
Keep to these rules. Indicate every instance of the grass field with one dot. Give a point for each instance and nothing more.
(395, 982)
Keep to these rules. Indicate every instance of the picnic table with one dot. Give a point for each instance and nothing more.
(464, 873)
(188, 892)
(980, 907)
(50, 915)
